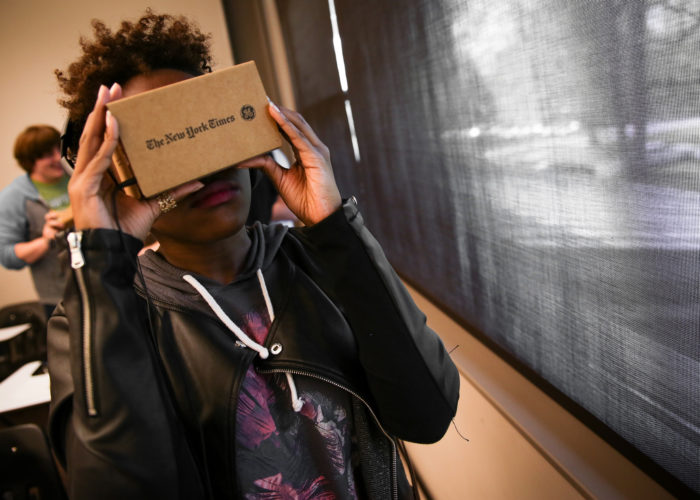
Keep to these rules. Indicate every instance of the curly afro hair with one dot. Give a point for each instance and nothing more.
(155, 41)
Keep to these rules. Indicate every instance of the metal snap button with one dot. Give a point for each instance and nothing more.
(275, 349)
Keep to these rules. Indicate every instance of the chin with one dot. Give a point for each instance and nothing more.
(209, 228)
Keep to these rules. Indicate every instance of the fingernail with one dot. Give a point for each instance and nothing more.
(109, 122)
(273, 105)
(101, 93)
(192, 187)
(114, 86)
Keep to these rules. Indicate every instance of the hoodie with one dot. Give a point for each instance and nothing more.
(147, 393)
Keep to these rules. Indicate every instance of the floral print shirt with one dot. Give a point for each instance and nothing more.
(283, 454)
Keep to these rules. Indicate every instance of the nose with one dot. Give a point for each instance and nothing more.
(56, 155)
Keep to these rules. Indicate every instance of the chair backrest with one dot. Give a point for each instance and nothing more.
(28, 470)
(30, 345)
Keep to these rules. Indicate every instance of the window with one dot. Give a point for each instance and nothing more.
(534, 167)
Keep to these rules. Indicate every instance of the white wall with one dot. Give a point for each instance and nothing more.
(38, 36)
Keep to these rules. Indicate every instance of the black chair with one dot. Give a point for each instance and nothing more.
(28, 346)
(28, 470)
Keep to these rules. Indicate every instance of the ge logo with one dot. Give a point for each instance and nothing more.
(247, 112)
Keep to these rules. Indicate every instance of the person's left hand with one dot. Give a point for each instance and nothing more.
(52, 225)
(308, 187)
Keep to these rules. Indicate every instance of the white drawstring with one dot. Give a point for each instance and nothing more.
(268, 303)
(297, 402)
(261, 350)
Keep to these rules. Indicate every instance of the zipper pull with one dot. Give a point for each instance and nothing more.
(76, 254)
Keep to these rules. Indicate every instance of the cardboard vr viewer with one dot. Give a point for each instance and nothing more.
(190, 129)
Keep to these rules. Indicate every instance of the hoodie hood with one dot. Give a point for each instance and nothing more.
(165, 283)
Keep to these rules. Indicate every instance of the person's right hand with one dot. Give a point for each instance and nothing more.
(92, 192)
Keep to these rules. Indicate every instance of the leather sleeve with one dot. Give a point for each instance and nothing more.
(13, 226)
(414, 383)
(111, 422)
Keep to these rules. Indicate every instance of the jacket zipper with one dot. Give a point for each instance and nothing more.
(394, 486)
(77, 261)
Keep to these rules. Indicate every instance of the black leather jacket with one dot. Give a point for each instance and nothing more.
(141, 415)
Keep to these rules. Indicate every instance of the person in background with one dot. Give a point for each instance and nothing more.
(235, 361)
(33, 210)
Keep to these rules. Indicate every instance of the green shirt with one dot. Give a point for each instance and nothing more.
(55, 195)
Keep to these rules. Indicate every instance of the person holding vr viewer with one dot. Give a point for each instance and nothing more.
(236, 361)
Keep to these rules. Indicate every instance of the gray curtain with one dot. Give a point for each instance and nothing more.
(534, 167)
